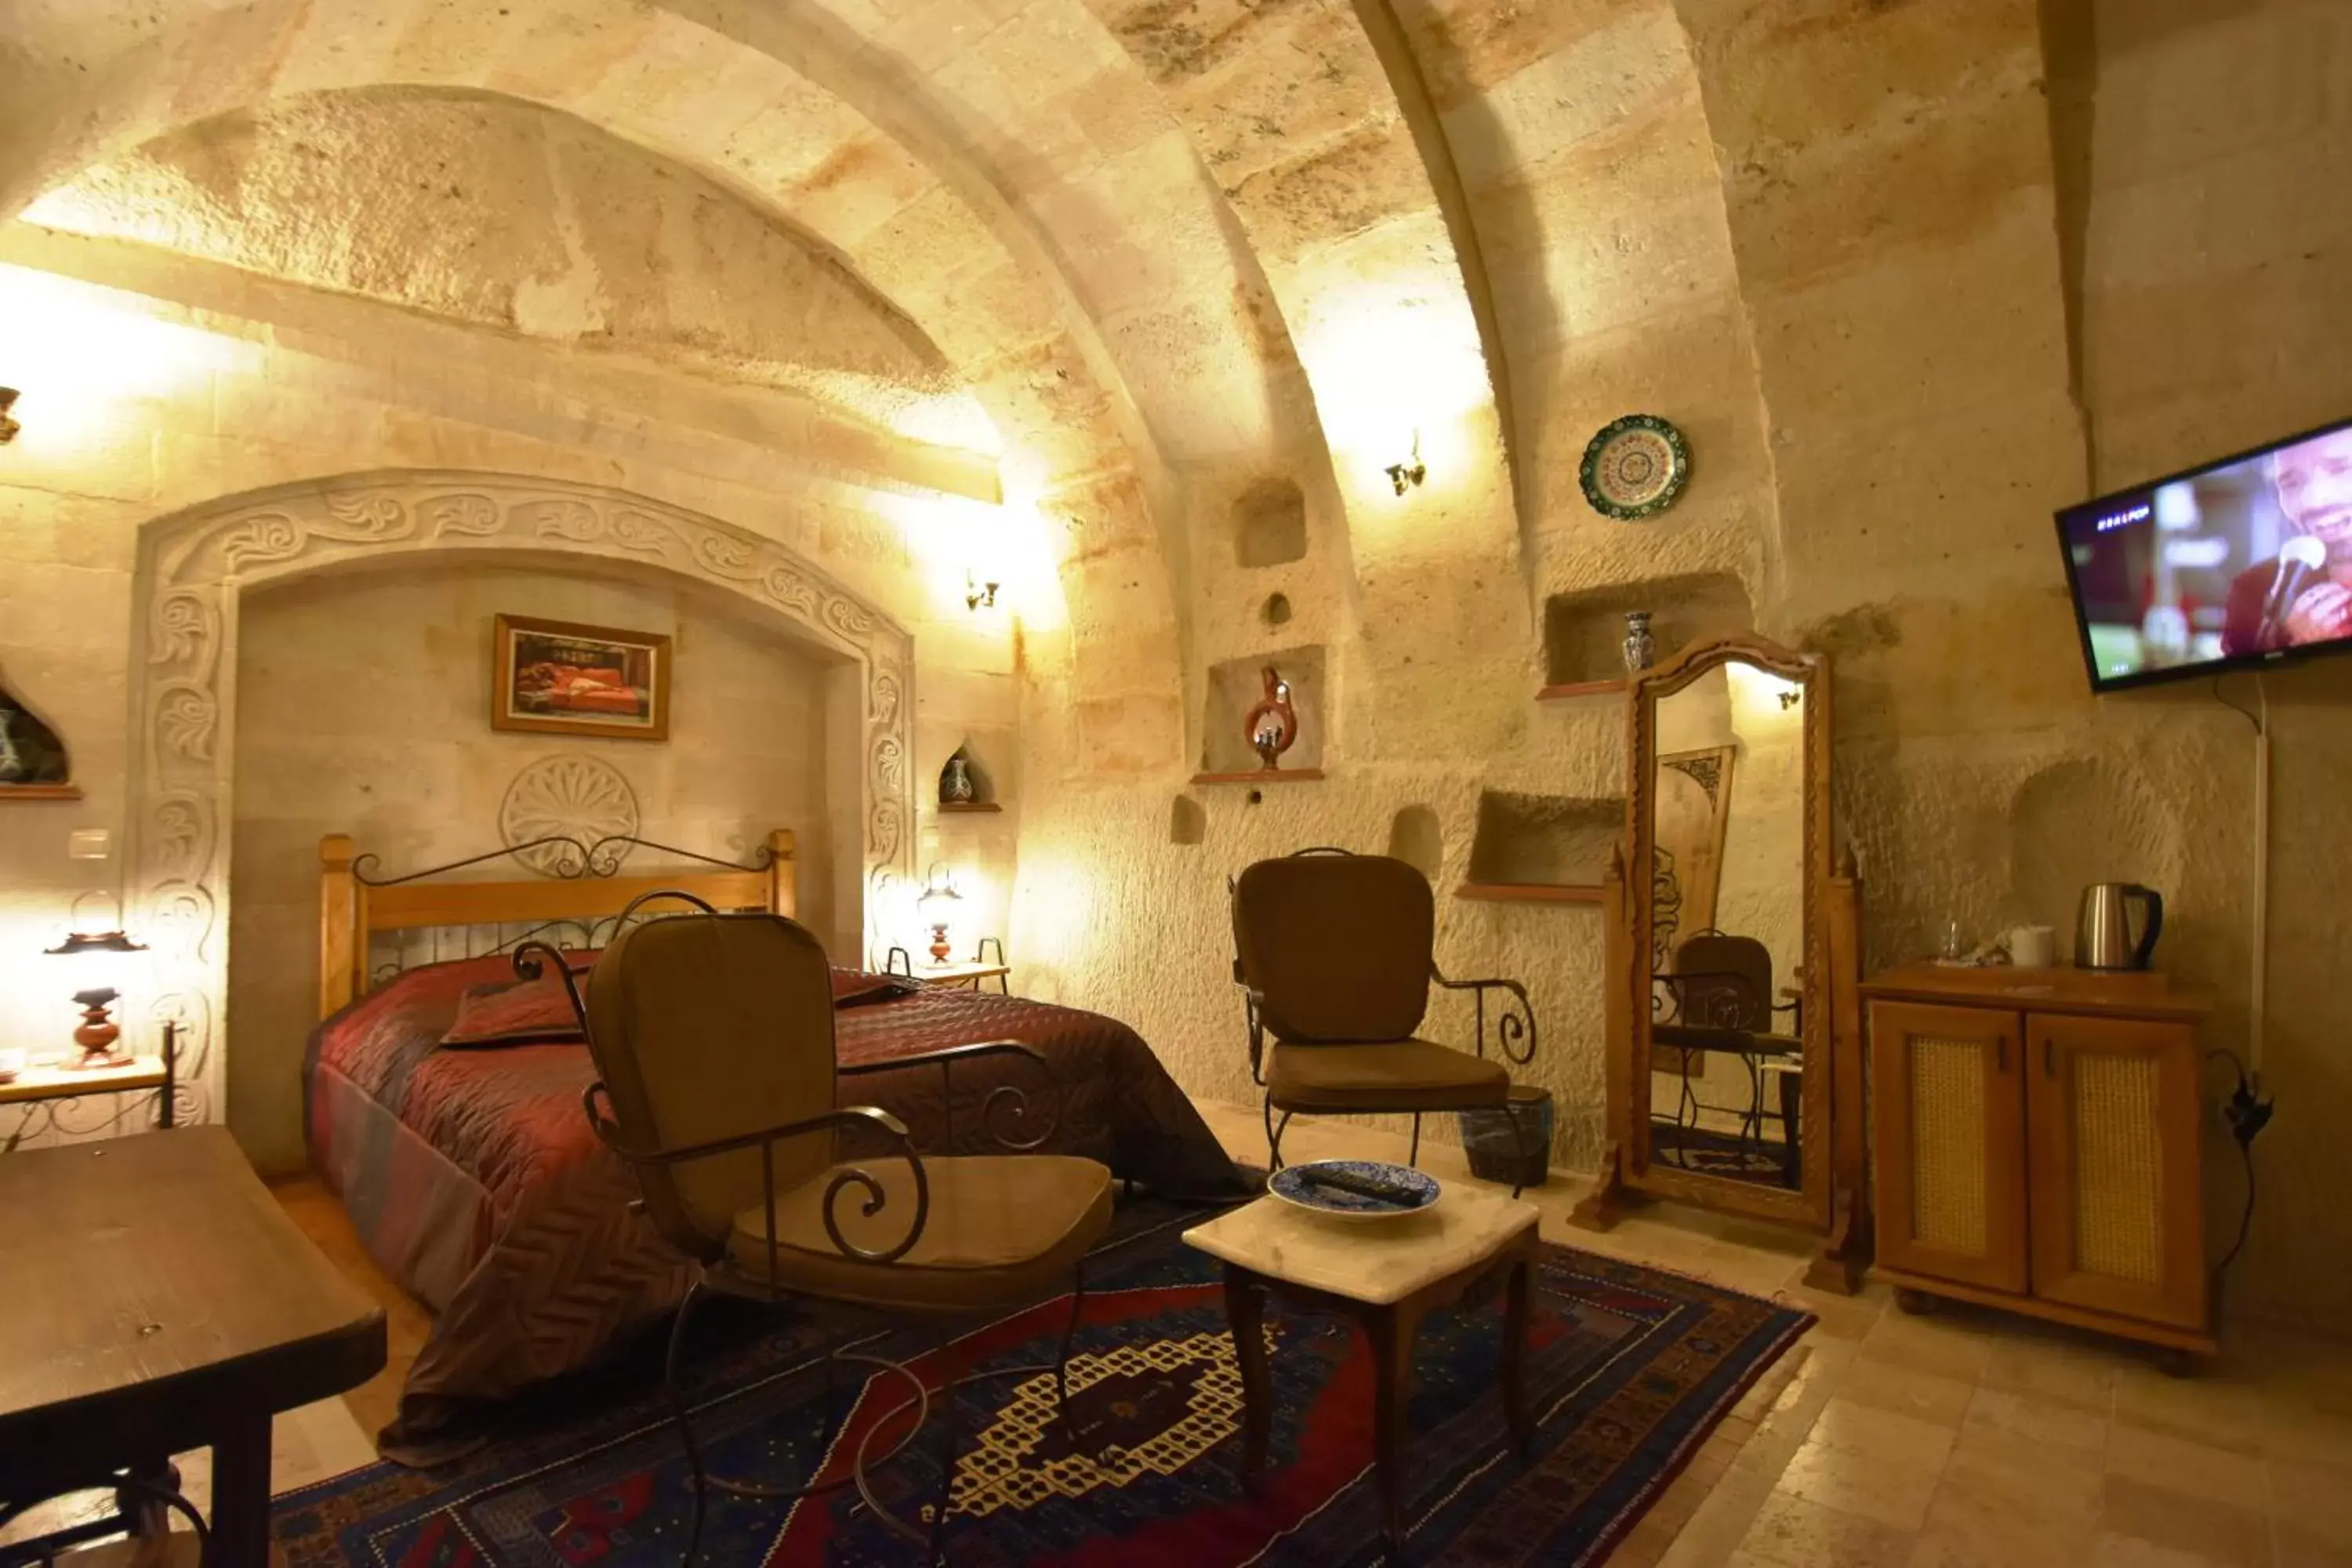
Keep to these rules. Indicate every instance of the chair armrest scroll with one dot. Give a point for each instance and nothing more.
(871, 1117)
(1515, 1018)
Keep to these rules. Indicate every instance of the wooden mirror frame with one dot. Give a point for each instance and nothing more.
(1831, 1197)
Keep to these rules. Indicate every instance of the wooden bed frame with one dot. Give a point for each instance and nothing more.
(352, 908)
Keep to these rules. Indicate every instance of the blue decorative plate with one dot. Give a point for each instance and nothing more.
(1298, 1184)
(1635, 468)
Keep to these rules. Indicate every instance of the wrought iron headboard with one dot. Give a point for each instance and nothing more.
(372, 926)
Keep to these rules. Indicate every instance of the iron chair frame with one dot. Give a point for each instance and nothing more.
(715, 1273)
(1729, 1006)
(1510, 1027)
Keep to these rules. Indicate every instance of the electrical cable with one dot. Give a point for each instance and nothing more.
(2246, 1215)
(2243, 713)
(2247, 1114)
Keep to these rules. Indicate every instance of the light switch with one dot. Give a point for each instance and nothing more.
(89, 844)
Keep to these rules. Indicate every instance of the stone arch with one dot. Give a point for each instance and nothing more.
(194, 566)
(757, 110)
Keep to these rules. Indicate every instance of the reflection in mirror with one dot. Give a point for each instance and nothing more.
(1726, 927)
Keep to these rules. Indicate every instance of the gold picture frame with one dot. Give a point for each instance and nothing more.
(564, 678)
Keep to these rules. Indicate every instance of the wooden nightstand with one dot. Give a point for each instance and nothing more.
(37, 1084)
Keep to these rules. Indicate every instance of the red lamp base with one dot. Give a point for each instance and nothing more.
(97, 1033)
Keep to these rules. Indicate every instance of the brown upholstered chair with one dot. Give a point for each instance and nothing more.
(1333, 951)
(713, 1038)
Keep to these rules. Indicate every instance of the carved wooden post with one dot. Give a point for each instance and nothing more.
(343, 935)
(782, 886)
(1846, 1255)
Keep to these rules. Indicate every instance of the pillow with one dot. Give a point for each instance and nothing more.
(517, 1013)
(855, 987)
(539, 1012)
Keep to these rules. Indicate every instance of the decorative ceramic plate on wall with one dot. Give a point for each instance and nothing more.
(1635, 468)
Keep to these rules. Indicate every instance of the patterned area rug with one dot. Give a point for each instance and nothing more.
(1628, 1371)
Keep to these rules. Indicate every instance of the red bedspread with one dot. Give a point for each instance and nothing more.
(477, 1185)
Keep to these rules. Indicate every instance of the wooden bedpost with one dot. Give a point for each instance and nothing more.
(343, 933)
(784, 896)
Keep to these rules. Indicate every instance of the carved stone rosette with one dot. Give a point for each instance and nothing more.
(193, 564)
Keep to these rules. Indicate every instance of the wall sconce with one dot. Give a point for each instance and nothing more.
(1407, 475)
(8, 427)
(976, 594)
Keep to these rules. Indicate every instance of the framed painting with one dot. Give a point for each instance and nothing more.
(559, 677)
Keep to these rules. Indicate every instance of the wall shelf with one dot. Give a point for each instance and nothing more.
(959, 806)
(40, 792)
(1580, 689)
(1529, 892)
(1262, 776)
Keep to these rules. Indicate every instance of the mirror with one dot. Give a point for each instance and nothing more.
(1725, 814)
(1722, 958)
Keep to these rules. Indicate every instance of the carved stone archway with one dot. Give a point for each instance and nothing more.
(195, 565)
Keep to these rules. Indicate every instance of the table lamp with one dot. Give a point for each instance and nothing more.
(101, 962)
(937, 909)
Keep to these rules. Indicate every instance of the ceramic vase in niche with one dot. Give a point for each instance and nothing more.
(956, 787)
(1641, 648)
(1273, 724)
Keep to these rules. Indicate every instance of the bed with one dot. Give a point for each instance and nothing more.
(472, 1175)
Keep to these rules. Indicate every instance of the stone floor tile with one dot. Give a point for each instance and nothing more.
(1932, 1345)
(2054, 1370)
(2113, 1551)
(2176, 1464)
(1866, 1484)
(1793, 1533)
(2005, 1414)
(2180, 1521)
(1925, 1395)
(2221, 1411)
(1883, 1433)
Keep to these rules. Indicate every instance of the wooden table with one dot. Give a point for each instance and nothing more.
(160, 1301)
(1386, 1275)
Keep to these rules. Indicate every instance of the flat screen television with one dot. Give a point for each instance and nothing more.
(2221, 567)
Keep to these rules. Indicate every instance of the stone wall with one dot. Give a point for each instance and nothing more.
(1910, 276)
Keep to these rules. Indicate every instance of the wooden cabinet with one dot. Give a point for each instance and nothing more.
(1948, 1118)
(2035, 1140)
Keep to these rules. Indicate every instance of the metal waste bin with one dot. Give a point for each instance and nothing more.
(1496, 1150)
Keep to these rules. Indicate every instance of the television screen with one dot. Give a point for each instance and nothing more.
(2239, 562)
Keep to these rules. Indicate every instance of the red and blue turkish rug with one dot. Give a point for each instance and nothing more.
(1628, 1370)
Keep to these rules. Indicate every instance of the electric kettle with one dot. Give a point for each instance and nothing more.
(2103, 935)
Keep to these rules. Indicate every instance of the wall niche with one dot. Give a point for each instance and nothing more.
(1584, 632)
(1238, 685)
(1542, 848)
(1270, 524)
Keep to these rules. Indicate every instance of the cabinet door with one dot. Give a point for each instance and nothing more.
(2118, 1216)
(1947, 1121)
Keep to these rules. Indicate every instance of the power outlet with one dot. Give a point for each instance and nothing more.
(2247, 1111)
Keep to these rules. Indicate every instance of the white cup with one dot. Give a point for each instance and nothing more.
(2033, 947)
(11, 1064)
